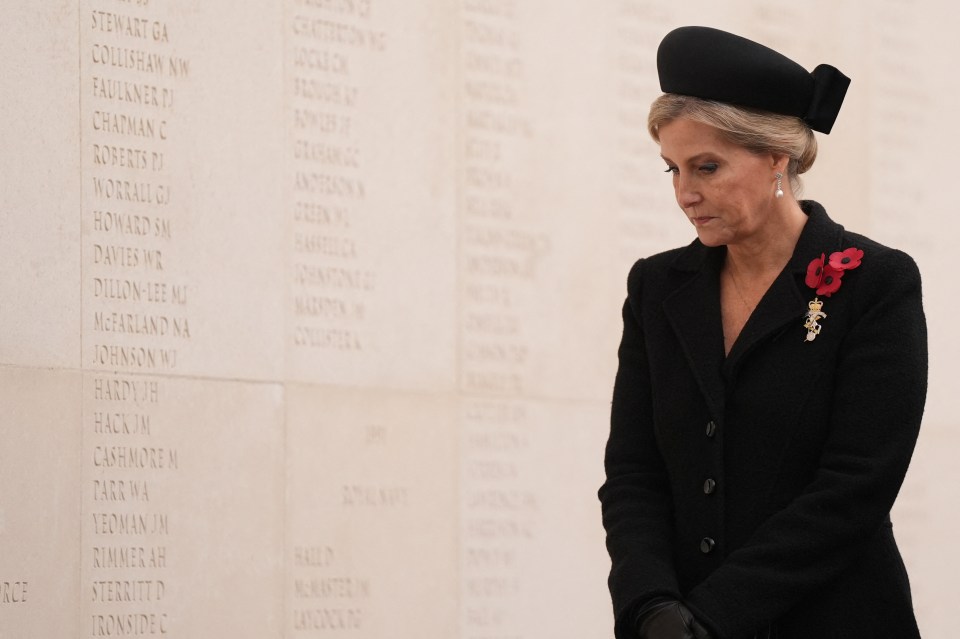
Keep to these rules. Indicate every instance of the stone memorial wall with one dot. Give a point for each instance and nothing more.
(310, 308)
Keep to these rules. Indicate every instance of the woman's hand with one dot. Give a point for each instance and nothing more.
(669, 619)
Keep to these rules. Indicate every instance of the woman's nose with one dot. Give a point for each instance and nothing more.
(687, 194)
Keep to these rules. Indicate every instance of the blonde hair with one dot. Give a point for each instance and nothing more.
(755, 130)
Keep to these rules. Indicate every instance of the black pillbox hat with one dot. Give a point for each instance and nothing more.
(715, 65)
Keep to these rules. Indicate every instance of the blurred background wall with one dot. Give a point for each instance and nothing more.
(309, 309)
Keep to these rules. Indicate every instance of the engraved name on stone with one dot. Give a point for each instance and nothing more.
(129, 557)
(129, 624)
(126, 390)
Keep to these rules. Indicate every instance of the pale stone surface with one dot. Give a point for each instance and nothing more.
(370, 187)
(182, 527)
(40, 232)
(379, 252)
(371, 546)
(40, 509)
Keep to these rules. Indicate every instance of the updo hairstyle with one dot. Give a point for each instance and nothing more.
(754, 130)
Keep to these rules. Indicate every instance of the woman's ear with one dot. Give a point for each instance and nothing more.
(781, 162)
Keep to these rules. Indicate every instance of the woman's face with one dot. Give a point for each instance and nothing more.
(726, 191)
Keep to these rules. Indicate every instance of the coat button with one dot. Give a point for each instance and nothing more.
(706, 545)
(711, 428)
(708, 486)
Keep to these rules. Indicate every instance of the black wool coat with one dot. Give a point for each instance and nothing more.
(756, 487)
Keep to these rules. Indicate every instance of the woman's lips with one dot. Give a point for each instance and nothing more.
(700, 221)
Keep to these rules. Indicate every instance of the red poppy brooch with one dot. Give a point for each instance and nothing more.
(825, 276)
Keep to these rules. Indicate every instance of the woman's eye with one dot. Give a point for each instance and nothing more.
(672, 169)
(708, 168)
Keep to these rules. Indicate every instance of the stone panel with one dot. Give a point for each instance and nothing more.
(40, 510)
(182, 526)
(182, 204)
(371, 523)
(369, 193)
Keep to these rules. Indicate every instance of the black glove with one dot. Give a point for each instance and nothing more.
(668, 619)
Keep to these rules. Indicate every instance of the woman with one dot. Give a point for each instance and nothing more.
(772, 377)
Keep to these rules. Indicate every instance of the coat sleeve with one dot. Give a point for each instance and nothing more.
(878, 402)
(635, 499)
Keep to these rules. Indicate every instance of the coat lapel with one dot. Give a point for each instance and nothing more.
(693, 310)
(784, 301)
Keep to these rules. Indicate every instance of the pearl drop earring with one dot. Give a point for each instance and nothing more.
(779, 192)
